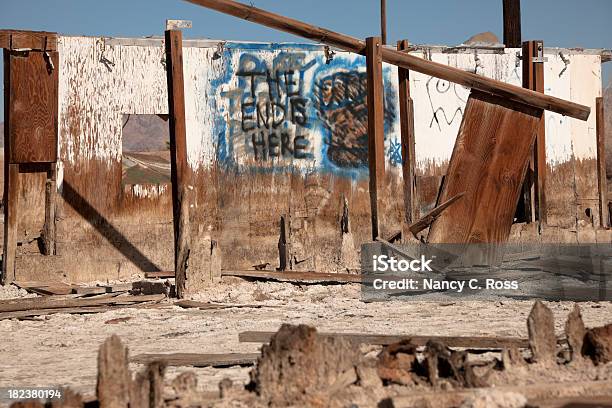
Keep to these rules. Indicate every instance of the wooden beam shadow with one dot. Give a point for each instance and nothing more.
(106, 229)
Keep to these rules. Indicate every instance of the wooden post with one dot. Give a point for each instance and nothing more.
(512, 23)
(48, 233)
(383, 21)
(408, 142)
(533, 79)
(178, 155)
(601, 164)
(11, 204)
(376, 128)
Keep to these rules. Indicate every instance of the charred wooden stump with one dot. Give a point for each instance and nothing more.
(301, 367)
(575, 332)
(541, 328)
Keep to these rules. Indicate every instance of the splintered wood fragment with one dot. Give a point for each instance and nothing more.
(284, 252)
(159, 275)
(541, 328)
(575, 332)
(114, 377)
(425, 221)
(156, 371)
(295, 276)
(536, 394)
(474, 342)
(199, 360)
(70, 399)
(52, 303)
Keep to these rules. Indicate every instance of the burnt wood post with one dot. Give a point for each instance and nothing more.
(535, 188)
(601, 165)
(411, 209)
(11, 204)
(178, 155)
(48, 233)
(512, 23)
(376, 129)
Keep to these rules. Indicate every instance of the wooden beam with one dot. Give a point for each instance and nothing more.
(383, 21)
(601, 164)
(199, 360)
(397, 58)
(424, 222)
(488, 163)
(411, 208)
(376, 128)
(512, 23)
(160, 275)
(178, 155)
(535, 189)
(295, 276)
(28, 40)
(11, 205)
(472, 342)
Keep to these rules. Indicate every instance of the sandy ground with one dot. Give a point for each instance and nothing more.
(62, 349)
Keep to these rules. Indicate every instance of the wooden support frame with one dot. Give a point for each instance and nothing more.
(411, 207)
(534, 190)
(178, 156)
(383, 21)
(604, 216)
(48, 233)
(28, 40)
(398, 58)
(512, 23)
(376, 127)
(12, 187)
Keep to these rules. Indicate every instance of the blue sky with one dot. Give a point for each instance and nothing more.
(562, 23)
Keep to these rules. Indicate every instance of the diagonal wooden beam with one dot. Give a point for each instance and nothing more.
(398, 58)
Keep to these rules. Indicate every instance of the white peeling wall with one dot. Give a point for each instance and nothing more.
(321, 112)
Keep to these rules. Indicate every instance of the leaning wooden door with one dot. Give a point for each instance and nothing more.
(488, 165)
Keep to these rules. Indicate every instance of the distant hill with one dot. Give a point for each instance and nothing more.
(145, 133)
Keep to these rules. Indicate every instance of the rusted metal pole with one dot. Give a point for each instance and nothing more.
(383, 21)
(376, 127)
(512, 23)
(601, 165)
(178, 155)
(398, 58)
(411, 208)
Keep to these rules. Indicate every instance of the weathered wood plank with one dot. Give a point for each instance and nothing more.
(512, 23)
(295, 276)
(199, 360)
(488, 163)
(472, 342)
(33, 107)
(33, 40)
(376, 128)
(178, 156)
(398, 58)
(159, 275)
(53, 303)
(411, 207)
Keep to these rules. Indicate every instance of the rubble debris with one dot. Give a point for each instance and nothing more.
(396, 362)
(541, 328)
(301, 367)
(598, 344)
(575, 332)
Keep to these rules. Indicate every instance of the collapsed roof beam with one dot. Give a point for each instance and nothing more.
(398, 58)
